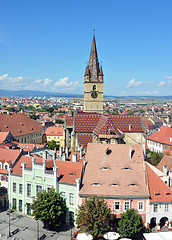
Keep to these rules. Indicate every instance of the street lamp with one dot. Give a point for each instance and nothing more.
(37, 229)
(8, 213)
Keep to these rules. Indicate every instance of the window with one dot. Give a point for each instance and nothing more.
(165, 147)
(94, 87)
(48, 189)
(14, 203)
(14, 187)
(127, 205)
(20, 205)
(20, 188)
(71, 198)
(140, 206)
(155, 207)
(28, 190)
(116, 205)
(63, 194)
(166, 207)
(6, 166)
(54, 137)
(38, 189)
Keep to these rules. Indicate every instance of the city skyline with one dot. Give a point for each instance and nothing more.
(46, 45)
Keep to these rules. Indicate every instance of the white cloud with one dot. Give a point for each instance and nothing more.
(133, 83)
(168, 77)
(162, 83)
(28, 83)
(63, 82)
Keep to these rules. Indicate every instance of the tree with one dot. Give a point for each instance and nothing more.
(94, 216)
(33, 116)
(156, 158)
(130, 223)
(52, 145)
(129, 112)
(60, 121)
(49, 208)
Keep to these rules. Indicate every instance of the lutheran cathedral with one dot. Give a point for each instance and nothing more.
(93, 83)
(81, 128)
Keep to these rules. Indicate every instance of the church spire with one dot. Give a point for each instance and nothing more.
(93, 62)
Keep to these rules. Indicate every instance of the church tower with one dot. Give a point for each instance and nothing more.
(93, 83)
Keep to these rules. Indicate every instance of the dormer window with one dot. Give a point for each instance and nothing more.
(96, 184)
(133, 184)
(126, 168)
(114, 184)
(105, 168)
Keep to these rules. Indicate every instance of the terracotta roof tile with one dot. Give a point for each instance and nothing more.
(9, 154)
(54, 131)
(67, 171)
(110, 172)
(159, 191)
(18, 124)
(167, 161)
(163, 135)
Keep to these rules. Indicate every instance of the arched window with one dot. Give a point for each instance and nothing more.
(94, 87)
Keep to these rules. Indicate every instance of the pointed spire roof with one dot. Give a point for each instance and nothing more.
(93, 62)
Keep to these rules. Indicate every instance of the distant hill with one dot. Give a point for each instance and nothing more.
(31, 93)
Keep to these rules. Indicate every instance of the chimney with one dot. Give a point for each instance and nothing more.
(60, 151)
(165, 169)
(54, 155)
(64, 156)
(74, 157)
(44, 154)
(81, 152)
(67, 152)
(129, 151)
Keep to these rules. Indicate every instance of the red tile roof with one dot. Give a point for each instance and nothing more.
(67, 171)
(18, 124)
(9, 155)
(159, 191)
(84, 139)
(110, 171)
(100, 124)
(163, 135)
(167, 161)
(54, 131)
(3, 136)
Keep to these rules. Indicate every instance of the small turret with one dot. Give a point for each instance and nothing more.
(101, 74)
(87, 75)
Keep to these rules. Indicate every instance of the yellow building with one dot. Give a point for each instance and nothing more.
(93, 83)
(56, 134)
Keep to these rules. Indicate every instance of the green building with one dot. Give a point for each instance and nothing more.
(32, 174)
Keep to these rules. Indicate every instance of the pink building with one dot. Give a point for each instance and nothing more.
(117, 173)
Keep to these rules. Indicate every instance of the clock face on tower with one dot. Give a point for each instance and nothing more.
(94, 94)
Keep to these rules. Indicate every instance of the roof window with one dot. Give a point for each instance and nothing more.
(114, 184)
(126, 168)
(132, 184)
(108, 151)
(105, 168)
(96, 184)
(168, 193)
(71, 174)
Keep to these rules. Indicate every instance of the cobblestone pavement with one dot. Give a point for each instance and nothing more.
(28, 228)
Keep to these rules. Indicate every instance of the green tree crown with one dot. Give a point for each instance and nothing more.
(50, 208)
(130, 223)
(94, 216)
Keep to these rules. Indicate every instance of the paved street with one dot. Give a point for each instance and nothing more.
(28, 228)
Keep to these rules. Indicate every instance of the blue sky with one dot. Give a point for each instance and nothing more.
(45, 45)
